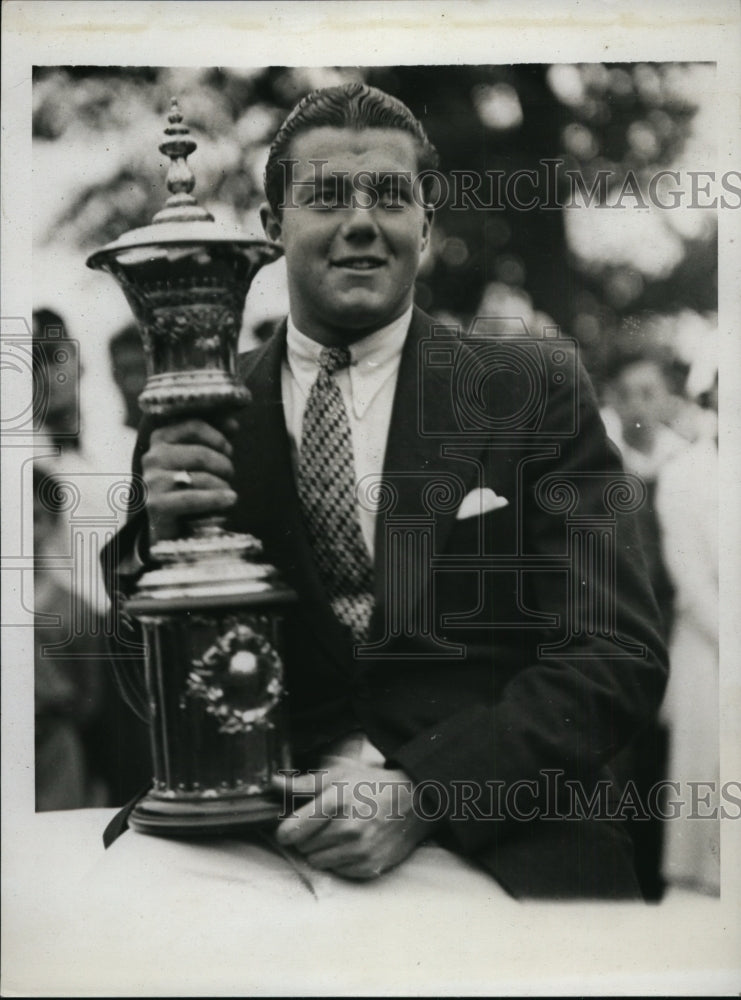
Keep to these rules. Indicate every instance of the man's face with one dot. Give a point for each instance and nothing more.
(641, 395)
(351, 268)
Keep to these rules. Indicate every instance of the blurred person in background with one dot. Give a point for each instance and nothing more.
(687, 506)
(692, 414)
(68, 679)
(57, 378)
(639, 396)
(506, 310)
(639, 408)
(640, 404)
(129, 370)
(90, 748)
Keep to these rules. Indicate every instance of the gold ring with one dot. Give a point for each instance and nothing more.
(182, 480)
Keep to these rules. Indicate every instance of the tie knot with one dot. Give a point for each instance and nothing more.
(332, 359)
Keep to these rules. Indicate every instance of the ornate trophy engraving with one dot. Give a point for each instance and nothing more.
(211, 610)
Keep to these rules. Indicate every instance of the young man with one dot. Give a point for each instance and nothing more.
(392, 480)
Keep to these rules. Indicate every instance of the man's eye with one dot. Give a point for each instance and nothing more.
(324, 199)
(391, 200)
(320, 204)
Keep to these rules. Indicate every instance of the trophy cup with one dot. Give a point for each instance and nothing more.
(211, 611)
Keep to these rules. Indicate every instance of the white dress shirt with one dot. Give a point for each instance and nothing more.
(367, 388)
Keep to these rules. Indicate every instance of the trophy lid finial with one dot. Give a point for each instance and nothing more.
(181, 206)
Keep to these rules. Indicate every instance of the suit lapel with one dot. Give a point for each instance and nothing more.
(423, 429)
(266, 486)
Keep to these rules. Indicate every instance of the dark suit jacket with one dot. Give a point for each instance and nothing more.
(486, 664)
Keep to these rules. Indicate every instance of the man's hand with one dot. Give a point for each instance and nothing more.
(361, 822)
(203, 451)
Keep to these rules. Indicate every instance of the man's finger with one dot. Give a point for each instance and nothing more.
(181, 503)
(363, 870)
(338, 857)
(303, 824)
(162, 481)
(307, 821)
(298, 784)
(192, 432)
(339, 832)
(349, 863)
(193, 457)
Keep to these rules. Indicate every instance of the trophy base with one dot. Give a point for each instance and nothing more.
(187, 819)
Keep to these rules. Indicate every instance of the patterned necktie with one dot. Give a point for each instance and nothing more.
(326, 487)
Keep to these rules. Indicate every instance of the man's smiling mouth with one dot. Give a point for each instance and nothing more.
(359, 263)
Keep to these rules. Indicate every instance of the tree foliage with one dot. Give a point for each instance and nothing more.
(609, 286)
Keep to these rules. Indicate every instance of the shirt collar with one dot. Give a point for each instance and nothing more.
(374, 359)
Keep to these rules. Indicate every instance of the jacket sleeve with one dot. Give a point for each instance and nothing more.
(572, 710)
(123, 559)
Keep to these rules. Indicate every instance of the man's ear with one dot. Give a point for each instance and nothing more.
(271, 224)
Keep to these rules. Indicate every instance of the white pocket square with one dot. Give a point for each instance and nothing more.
(480, 501)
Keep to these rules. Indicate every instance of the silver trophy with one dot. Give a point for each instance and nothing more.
(212, 611)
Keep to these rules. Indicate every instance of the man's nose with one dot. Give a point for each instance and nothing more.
(360, 225)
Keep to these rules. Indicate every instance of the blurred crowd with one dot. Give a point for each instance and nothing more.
(669, 437)
(90, 748)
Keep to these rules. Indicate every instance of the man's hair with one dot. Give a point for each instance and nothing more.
(351, 105)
